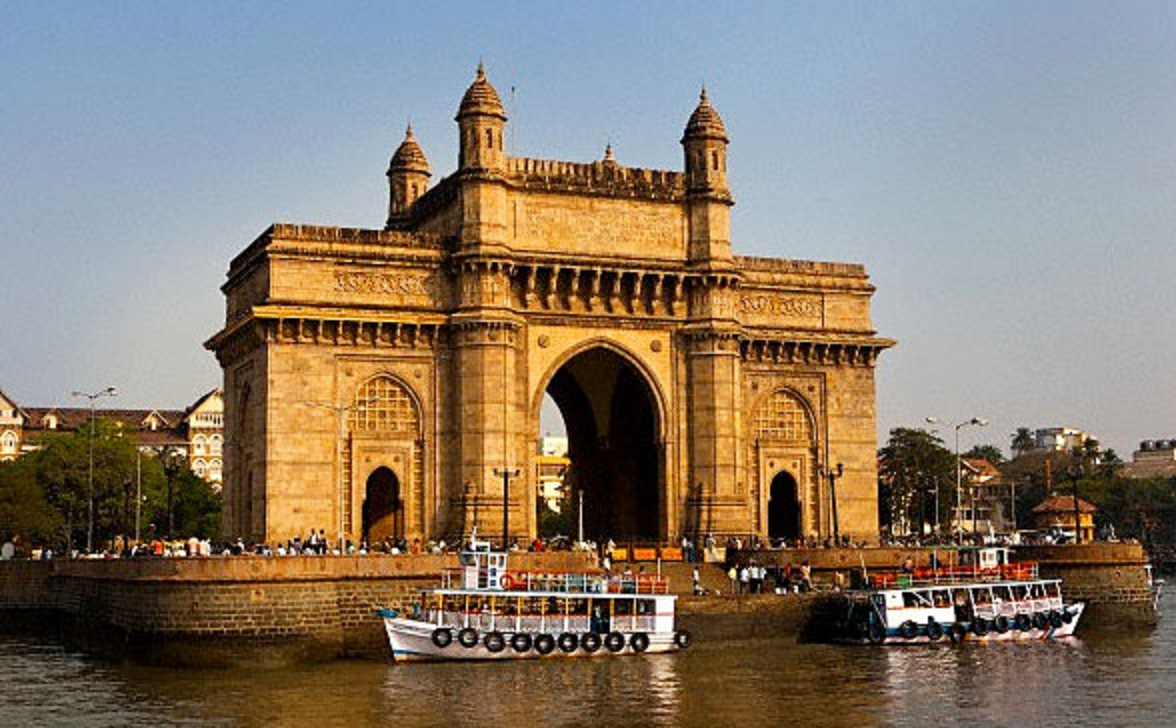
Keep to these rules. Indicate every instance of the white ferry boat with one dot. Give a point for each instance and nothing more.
(487, 612)
(984, 597)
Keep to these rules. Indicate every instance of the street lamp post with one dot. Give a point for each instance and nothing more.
(959, 515)
(507, 474)
(1075, 476)
(92, 396)
(833, 475)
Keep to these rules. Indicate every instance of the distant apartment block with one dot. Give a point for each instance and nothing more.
(1060, 439)
(196, 432)
(551, 466)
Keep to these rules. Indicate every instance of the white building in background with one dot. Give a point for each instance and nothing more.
(1060, 439)
(550, 468)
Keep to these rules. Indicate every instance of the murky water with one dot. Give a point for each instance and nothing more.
(1106, 679)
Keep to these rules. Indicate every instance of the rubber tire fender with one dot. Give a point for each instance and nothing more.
(544, 644)
(956, 632)
(1001, 624)
(590, 642)
(442, 637)
(468, 638)
(1040, 621)
(614, 641)
(567, 642)
(908, 629)
(521, 642)
(1055, 620)
(683, 639)
(494, 642)
(876, 633)
(1024, 623)
(980, 627)
(639, 642)
(1067, 615)
(934, 630)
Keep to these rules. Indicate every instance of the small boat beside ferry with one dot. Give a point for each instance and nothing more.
(984, 597)
(485, 611)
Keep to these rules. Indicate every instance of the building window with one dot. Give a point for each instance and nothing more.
(8, 442)
(198, 445)
(215, 445)
(383, 404)
(783, 417)
(199, 467)
(214, 471)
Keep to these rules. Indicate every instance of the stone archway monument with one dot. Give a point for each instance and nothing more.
(689, 377)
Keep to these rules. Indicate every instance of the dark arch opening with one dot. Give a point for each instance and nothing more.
(609, 411)
(383, 516)
(784, 508)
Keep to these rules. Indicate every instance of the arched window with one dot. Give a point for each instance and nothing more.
(715, 160)
(8, 442)
(198, 445)
(384, 404)
(783, 418)
(199, 467)
(215, 445)
(214, 471)
(489, 138)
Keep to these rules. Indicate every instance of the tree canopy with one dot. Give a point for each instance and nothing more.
(44, 495)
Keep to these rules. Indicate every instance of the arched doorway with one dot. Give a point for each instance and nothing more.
(784, 508)
(383, 516)
(611, 417)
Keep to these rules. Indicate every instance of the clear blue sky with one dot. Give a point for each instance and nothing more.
(1005, 170)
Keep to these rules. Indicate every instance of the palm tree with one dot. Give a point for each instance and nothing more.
(1022, 441)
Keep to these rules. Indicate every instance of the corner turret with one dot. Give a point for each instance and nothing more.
(408, 177)
(708, 200)
(480, 119)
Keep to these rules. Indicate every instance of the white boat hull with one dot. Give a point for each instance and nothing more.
(895, 637)
(412, 640)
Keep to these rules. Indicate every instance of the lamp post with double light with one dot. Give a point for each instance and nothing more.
(959, 517)
(92, 396)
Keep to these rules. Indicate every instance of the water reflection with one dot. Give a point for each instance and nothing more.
(1106, 679)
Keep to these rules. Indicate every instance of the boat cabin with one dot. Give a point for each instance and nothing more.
(482, 568)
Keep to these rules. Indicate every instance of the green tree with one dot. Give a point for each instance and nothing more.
(991, 453)
(24, 510)
(913, 467)
(1022, 441)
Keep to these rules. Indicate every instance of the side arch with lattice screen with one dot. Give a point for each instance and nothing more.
(784, 439)
(384, 410)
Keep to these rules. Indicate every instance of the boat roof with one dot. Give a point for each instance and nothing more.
(566, 594)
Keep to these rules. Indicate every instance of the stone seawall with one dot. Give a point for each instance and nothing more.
(220, 611)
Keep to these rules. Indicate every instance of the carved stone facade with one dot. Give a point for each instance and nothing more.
(380, 382)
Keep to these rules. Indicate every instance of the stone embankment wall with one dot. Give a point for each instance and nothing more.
(211, 611)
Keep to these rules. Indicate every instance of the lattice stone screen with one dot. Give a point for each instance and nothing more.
(383, 404)
(783, 418)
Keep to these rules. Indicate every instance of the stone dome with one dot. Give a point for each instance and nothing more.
(705, 122)
(481, 98)
(408, 156)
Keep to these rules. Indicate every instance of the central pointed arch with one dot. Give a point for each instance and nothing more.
(614, 415)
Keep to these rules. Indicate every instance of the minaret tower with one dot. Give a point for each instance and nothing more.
(708, 199)
(408, 178)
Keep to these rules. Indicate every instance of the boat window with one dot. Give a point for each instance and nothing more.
(916, 599)
(622, 606)
(982, 596)
(645, 606)
(942, 598)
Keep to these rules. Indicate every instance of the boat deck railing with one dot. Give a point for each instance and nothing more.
(953, 575)
(570, 582)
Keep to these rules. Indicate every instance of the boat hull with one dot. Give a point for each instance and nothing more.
(894, 635)
(411, 640)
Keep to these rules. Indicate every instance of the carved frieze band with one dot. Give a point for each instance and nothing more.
(406, 287)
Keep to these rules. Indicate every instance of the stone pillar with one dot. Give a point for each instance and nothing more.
(713, 372)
